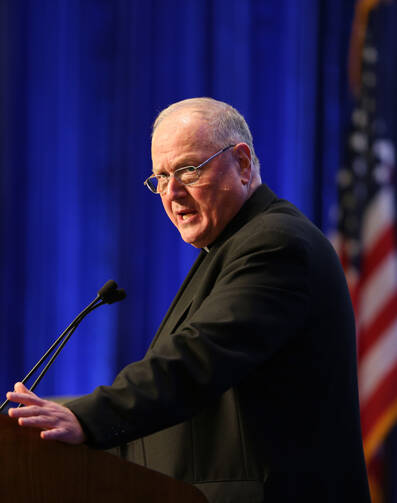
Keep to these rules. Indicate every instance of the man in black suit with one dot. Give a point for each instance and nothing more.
(248, 389)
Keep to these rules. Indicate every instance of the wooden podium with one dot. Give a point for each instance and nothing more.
(41, 471)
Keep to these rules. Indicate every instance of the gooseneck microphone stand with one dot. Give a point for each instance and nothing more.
(108, 294)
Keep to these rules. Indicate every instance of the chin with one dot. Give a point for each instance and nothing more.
(193, 240)
(196, 239)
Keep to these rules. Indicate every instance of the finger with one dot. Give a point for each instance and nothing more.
(54, 434)
(21, 388)
(63, 435)
(24, 398)
(42, 422)
(31, 410)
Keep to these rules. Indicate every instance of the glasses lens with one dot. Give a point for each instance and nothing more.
(152, 184)
(187, 175)
(157, 185)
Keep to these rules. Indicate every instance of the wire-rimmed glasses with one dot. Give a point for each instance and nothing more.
(186, 175)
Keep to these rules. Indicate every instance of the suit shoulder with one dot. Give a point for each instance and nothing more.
(281, 222)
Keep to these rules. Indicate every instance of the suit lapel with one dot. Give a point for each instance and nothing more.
(182, 301)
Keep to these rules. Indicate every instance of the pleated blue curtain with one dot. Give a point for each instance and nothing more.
(81, 83)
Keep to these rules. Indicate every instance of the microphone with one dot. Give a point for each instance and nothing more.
(108, 294)
(116, 296)
(107, 288)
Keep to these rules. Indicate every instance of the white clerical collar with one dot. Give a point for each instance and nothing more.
(205, 248)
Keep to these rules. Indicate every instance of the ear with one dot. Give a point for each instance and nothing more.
(243, 153)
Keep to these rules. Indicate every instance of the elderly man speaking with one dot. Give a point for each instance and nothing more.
(248, 389)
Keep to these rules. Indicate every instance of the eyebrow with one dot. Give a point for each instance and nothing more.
(181, 164)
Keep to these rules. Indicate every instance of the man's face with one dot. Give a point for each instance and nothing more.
(202, 210)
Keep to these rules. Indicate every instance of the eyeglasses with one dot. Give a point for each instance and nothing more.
(186, 175)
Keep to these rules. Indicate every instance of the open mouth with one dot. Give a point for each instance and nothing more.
(186, 215)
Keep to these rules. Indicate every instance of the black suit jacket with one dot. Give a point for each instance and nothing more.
(248, 389)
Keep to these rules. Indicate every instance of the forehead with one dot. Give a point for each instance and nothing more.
(182, 132)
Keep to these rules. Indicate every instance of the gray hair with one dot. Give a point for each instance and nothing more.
(226, 123)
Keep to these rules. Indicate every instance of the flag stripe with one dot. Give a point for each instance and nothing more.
(380, 324)
(378, 289)
(377, 253)
(378, 363)
(381, 399)
(378, 215)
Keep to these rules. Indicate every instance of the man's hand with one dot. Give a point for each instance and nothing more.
(56, 421)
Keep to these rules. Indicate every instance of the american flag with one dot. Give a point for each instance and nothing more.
(366, 244)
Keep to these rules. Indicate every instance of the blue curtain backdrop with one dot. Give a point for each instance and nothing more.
(81, 83)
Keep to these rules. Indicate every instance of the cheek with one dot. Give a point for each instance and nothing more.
(167, 208)
(213, 207)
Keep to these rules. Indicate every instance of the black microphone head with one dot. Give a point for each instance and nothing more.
(109, 287)
(116, 295)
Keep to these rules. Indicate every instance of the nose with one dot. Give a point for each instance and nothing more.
(175, 189)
